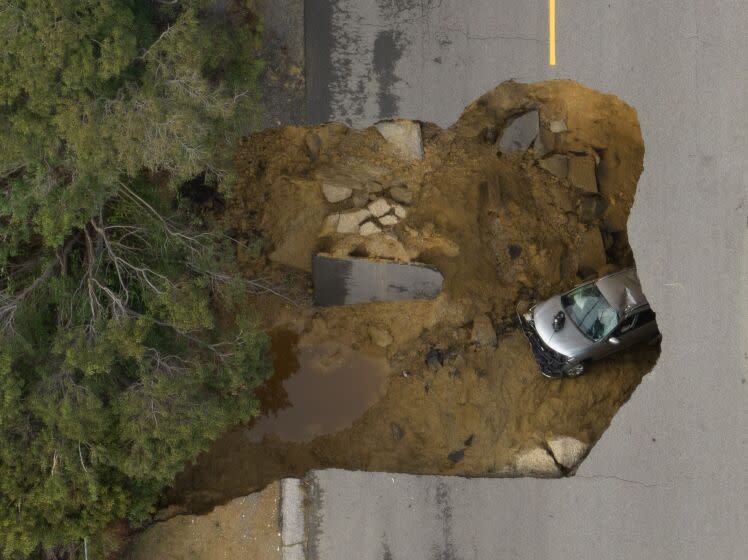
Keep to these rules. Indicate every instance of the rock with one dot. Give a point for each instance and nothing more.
(335, 193)
(559, 125)
(536, 462)
(330, 225)
(568, 451)
(380, 337)
(519, 134)
(582, 173)
(435, 358)
(360, 199)
(456, 456)
(514, 252)
(379, 207)
(401, 193)
(369, 228)
(400, 212)
(404, 135)
(397, 432)
(348, 222)
(313, 145)
(374, 187)
(388, 220)
(483, 332)
(591, 207)
(556, 164)
(592, 249)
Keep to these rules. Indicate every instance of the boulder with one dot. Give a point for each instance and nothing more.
(556, 164)
(582, 173)
(483, 332)
(348, 222)
(379, 207)
(388, 220)
(380, 337)
(401, 193)
(369, 228)
(335, 193)
(568, 451)
(536, 462)
(519, 134)
(404, 135)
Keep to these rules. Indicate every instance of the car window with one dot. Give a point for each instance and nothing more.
(590, 311)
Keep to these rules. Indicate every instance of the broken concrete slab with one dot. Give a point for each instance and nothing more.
(556, 164)
(388, 220)
(582, 173)
(369, 228)
(348, 222)
(568, 451)
(379, 207)
(483, 333)
(537, 462)
(335, 193)
(352, 280)
(544, 143)
(520, 133)
(404, 135)
(292, 512)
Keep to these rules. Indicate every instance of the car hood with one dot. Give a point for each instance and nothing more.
(569, 341)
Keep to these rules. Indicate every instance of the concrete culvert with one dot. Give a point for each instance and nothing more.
(502, 230)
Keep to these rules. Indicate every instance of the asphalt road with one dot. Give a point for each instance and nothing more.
(668, 479)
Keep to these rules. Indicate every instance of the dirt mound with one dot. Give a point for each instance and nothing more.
(463, 394)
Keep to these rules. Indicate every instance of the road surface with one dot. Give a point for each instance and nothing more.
(668, 479)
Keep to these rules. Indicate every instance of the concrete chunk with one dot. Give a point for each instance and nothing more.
(537, 462)
(568, 451)
(400, 212)
(369, 228)
(379, 207)
(519, 134)
(388, 220)
(348, 222)
(404, 135)
(335, 193)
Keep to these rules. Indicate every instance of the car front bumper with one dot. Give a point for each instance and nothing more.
(552, 364)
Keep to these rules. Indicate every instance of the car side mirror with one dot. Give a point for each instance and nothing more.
(614, 340)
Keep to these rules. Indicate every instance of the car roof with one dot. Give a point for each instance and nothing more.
(622, 290)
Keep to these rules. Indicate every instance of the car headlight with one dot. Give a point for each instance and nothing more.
(528, 317)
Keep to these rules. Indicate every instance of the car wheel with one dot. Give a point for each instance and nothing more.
(575, 370)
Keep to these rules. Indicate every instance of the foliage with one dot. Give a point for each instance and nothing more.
(120, 354)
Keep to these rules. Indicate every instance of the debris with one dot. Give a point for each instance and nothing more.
(401, 193)
(373, 187)
(568, 451)
(582, 173)
(537, 462)
(380, 337)
(514, 252)
(519, 134)
(369, 228)
(388, 220)
(483, 332)
(348, 222)
(456, 456)
(556, 164)
(335, 193)
(360, 199)
(379, 207)
(404, 135)
(591, 207)
(469, 441)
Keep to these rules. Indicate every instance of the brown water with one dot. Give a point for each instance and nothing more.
(315, 390)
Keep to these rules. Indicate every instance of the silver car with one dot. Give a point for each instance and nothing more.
(589, 322)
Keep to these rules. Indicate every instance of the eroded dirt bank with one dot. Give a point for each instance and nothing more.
(460, 392)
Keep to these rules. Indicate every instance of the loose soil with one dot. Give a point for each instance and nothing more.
(502, 230)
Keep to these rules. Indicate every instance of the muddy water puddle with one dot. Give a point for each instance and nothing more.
(315, 390)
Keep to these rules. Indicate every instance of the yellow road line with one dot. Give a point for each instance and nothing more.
(552, 30)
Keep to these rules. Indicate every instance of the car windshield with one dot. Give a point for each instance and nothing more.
(590, 311)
